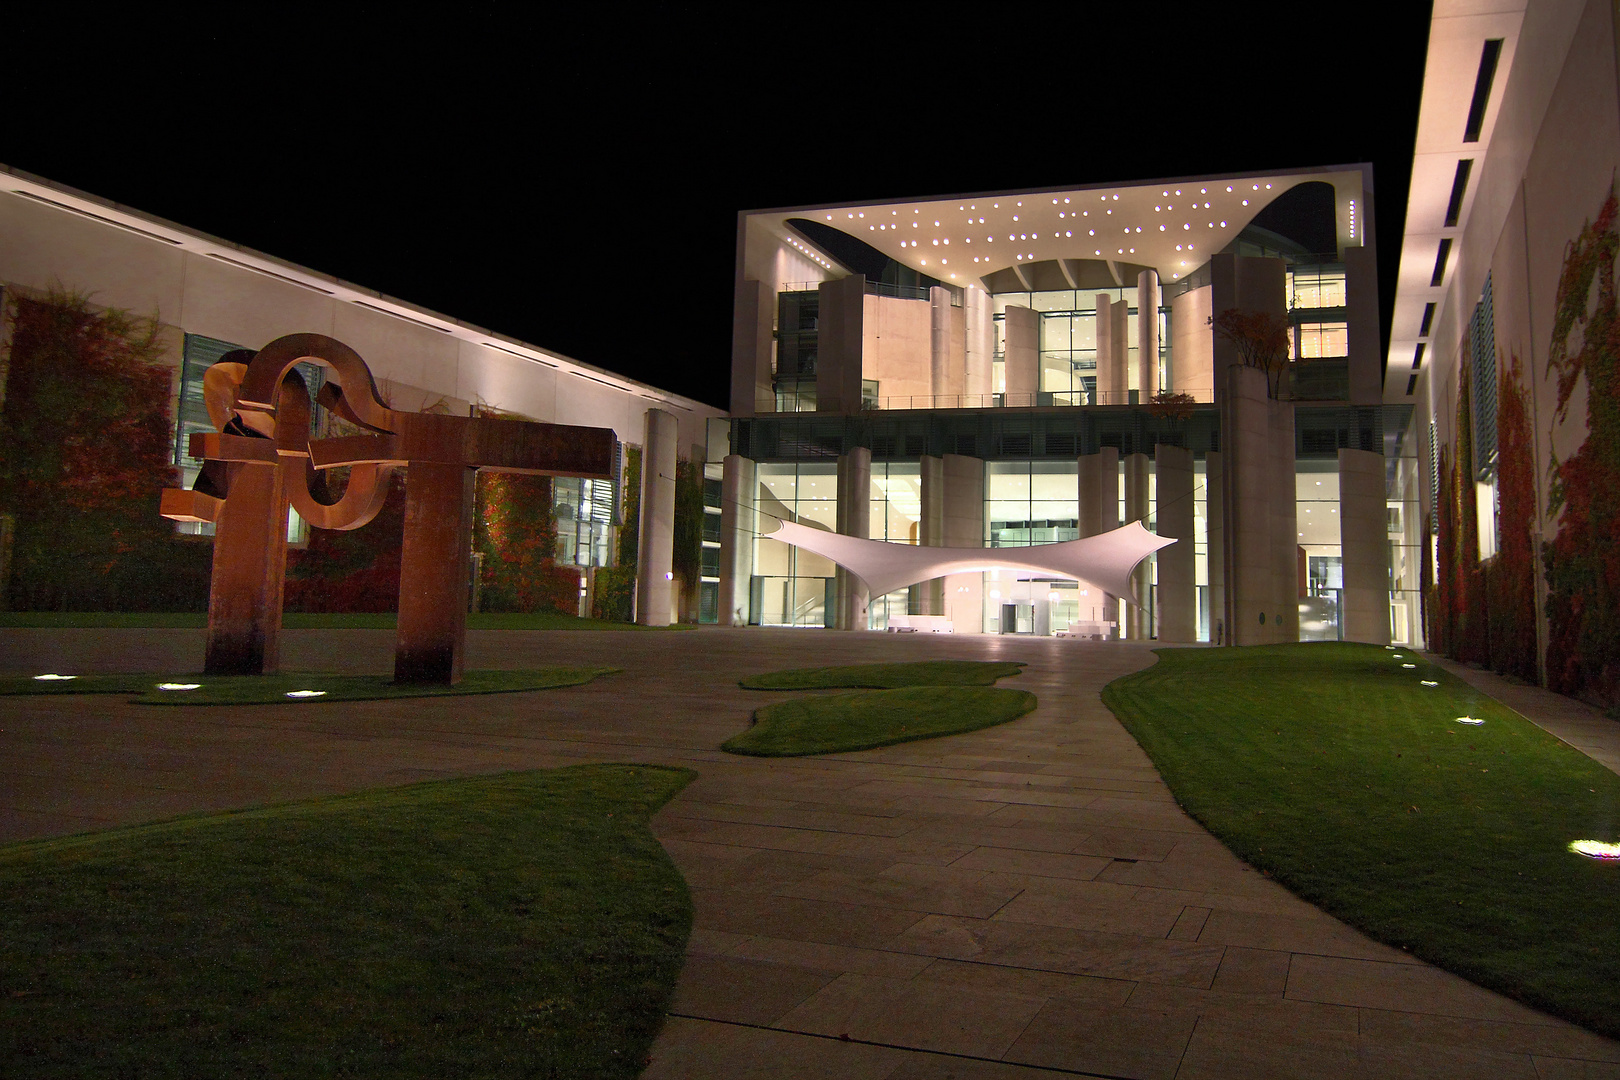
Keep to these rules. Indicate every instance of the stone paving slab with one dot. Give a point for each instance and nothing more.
(1020, 902)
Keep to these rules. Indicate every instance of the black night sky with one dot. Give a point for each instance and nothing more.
(573, 181)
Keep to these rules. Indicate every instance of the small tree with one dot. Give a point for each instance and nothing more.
(1172, 407)
(1261, 339)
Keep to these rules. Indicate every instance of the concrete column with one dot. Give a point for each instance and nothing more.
(1246, 457)
(655, 562)
(1021, 359)
(739, 520)
(928, 597)
(1119, 342)
(1178, 581)
(854, 519)
(1284, 524)
(962, 521)
(1147, 333)
(1137, 507)
(1364, 546)
(939, 343)
(840, 343)
(1361, 317)
(1108, 381)
(1099, 505)
(1216, 565)
(981, 345)
(753, 318)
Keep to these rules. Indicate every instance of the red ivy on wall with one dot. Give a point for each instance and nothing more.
(85, 438)
(1512, 610)
(1582, 562)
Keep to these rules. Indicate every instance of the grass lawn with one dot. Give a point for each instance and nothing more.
(293, 620)
(310, 687)
(837, 723)
(524, 924)
(1333, 768)
(886, 676)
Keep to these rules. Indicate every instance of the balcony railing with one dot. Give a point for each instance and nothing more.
(1025, 400)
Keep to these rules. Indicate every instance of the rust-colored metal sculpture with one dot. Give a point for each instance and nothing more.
(261, 459)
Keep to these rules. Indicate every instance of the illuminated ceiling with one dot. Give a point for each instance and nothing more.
(1172, 226)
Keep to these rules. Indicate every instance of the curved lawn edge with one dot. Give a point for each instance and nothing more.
(889, 676)
(274, 689)
(1340, 774)
(515, 924)
(869, 719)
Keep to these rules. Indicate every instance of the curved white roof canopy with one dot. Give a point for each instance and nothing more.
(1105, 560)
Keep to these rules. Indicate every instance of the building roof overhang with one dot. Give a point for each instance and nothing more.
(1172, 226)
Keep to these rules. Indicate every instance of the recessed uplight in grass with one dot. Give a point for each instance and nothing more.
(54, 678)
(1595, 849)
(1430, 682)
(305, 693)
(1409, 665)
(178, 685)
(1472, 720)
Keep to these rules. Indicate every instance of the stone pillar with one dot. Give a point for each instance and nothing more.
(1246, 458)
(1021, 359)
(1178, 581)
(1284, 510)
(1215, 556)
(1138, 617)
(250, 570)
(739, 520)
(655, 565)
(1098, 489)
(840, 343)
(432, 636)
(1108, 390)
(981, 346)
(939, 344)
(754, 315)
(962, 521)
(1364, 546)
(928, 597)
(1147, 334)
(854, 519)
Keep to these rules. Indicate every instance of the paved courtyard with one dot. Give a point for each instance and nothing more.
(1020, 902)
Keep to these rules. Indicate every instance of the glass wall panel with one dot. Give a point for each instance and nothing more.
(1316, 485)
(790, 586)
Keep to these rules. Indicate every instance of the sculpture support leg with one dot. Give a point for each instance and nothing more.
(250, 569)
(433, 573)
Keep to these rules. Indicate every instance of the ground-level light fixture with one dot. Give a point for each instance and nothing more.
(1595, 849)
(53, 678)
(178, 685)
(305, 693)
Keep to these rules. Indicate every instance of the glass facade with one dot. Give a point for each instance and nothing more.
(791, 587)
(1316, 485)
(586, 512)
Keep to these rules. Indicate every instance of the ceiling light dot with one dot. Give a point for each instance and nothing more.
(1245, 202)
(1186, 226)
(1203, 191)
(1161, 228)
(1068, 234)
(1228, 187)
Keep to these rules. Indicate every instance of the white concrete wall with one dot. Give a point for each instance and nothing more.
(183, 286)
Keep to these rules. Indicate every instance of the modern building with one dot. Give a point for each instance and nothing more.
(1015, 368)
(1503, 340)
(211, 296)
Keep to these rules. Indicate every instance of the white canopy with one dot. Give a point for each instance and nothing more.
(1105, 560)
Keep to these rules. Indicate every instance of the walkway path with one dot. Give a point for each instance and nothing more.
(1019, 902)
